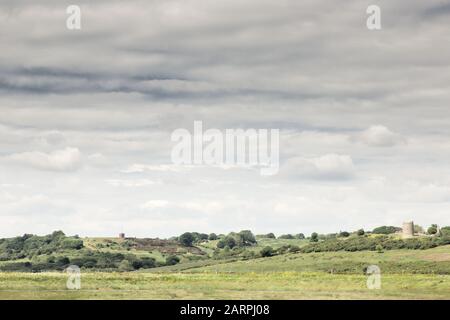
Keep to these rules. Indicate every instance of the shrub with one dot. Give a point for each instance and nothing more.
(267, 252)
(314, 237)
(125, 265)
(172, 260)
(286, 236)
(73, 243)
(360, 232)
(386, 230)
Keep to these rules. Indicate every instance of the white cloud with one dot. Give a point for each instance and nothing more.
(155, 204)
(380, 136)
(68, 159)
(329, 166)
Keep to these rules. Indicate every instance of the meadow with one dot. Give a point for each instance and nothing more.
(234, 266)
(405, 274)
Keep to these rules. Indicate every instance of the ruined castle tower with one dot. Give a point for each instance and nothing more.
(408, 229)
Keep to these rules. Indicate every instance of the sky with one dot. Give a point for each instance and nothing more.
(86, 116)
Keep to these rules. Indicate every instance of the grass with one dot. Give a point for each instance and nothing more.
(279, 285)
(434, 261)
(406, 274)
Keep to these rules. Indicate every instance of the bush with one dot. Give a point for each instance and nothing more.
(445, 231)
(386, 230)
(267, 252)
(267, 236)
(300, 236)
(125, 265)
(360, 232)
(73, 243)
(314, 237)
(286, 236)
(172, 260)
(368, 243)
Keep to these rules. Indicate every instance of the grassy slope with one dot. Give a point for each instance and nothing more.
(435, 260)
(290, 276)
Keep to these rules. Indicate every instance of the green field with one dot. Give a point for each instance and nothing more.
(405, 274)
(279, 285)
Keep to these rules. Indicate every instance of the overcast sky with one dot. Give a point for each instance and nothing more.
(86, 116)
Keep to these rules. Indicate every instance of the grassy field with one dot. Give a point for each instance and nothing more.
(279, 285)
(406, 274)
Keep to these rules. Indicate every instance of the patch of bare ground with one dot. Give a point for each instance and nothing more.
(441, 256)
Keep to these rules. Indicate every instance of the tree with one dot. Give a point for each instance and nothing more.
(433, 229)
(172, 260)
(300, 236)
(360, 232)
(203, 237)
(445, 231)
(418, 229)
(379, 248)
(266, 252)
(247, 238)
(186, 239)
(386, 230)
(314, 237)
(230, 242)
(212, 236)
(221, 244)
(286, 236)
(344, 234)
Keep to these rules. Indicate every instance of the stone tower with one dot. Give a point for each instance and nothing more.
(408, 229)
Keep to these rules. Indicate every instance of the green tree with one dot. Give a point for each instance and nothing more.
(360, 232)
(212, 236)
(186, 239)
(286, 236)
(386, 230)
(344, 234)
(300, 236)
(314, 237)
(433, 229)
(247, 237)
(445, 231)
